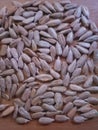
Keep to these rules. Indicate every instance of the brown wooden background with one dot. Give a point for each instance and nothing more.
(9, 124)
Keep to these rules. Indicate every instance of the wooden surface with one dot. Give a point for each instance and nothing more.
(9, 124)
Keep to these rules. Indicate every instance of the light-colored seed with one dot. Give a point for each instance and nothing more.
(36, 109)
(64, 69)
(13, 90)
(84, 95)
(69, 38)
(12, 33)
(88, 82)
(24, 113)
(47, 107)
(69, 19)
(32, 68)
(76, 72)
(79, 119)
(21, 120)
(66, 79)
(26, 58)
(85, 11)
(70, 93)
(14, 53)
(52, 32)
(3, 106)
(70, 56)
(82, 49)
(7, 72)
(20, 75)
(58, 49)
(60, 89)
(79, 102)
(76, 52)
(51, 114)
(85, 108)
(14, 64)
(57, 65)
(85, 21)
(6, 40)
(45, 120)
(72, 66)
(8, 82)
(44, 9)
(45, 34)
(44, 65)
(49, 101)
(62, 27)
(26, 41)
(50, 6)
(75, 87)
(90, 114)
(93, 89)
(3, 50)
(61, 118)
(37, 115)
(62, 40)
(42, 89)
(7, 111)
(59, 101)
(44, 77)
(86, 35)
(44, 19)
(72, 112)
(80, 32)
(53, 23)
(36, 101)
(79, 79)
(58, 7)
(38, 15)
(81, 61)
(95, 79)
(18, 18)
(43, 44)
(26, 94)
(2, 65)
(57, 15)
(20, 90)
(92, 100)
(55, 74)
(67, 107)
(14, 78)
(92, 38)
(78, 12)
(47, 95)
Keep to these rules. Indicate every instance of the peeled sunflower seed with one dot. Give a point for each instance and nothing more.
(50, 6)
(45, 120)
(7, 111)
(75, 87)
(53, 23)
(61, 118)
(38, 15)
(48, 107)
(44, 9)
(44, 77)
(37, 115)
(90, 114)
(21, 120)
(3, 106)
(79, 119)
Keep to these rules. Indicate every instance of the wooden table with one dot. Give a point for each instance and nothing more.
(9, 124)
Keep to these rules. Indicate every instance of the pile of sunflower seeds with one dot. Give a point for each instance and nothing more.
(48, 62)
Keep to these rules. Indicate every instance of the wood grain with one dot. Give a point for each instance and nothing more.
(9, 124)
